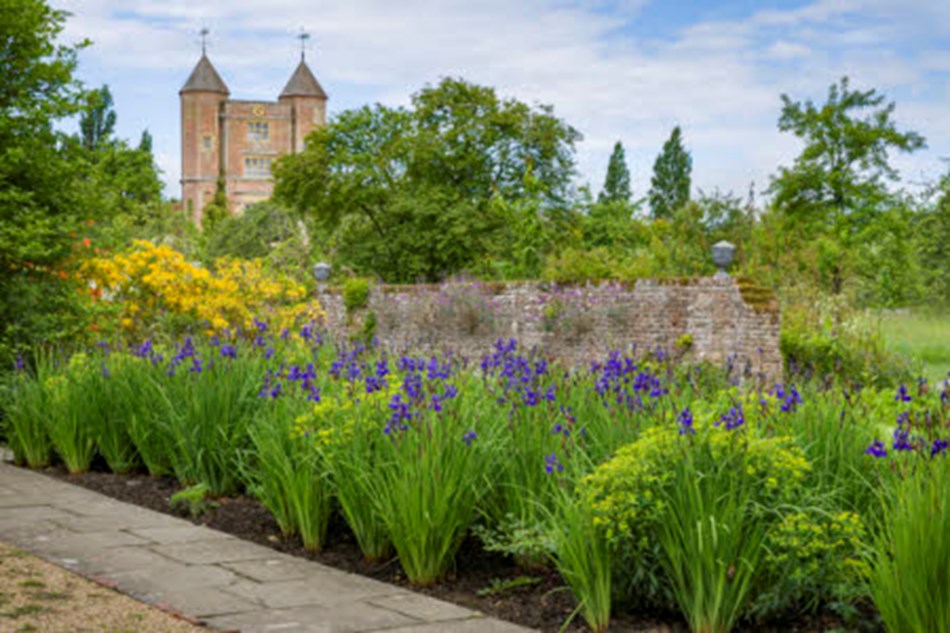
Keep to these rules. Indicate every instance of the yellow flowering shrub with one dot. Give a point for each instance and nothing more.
(333, 421)
(624, 491)
(152, 283)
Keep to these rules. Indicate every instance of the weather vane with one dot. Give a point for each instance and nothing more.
(204, 39)
(303, 37)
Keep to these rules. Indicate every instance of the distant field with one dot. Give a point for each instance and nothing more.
(925, 337)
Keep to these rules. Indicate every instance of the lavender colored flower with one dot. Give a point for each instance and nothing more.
(469, 437)
(938, 447)
(18, 364)
(685, 420)
(268, 352)
(551, 464)
(791, 400)
(215, 341)
(228, 351)
(876, 449)
(902, 395)
(733, 419)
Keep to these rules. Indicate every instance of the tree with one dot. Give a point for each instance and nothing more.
(217, 209)
(617, 183)
(411, 193)
(934, 239)
(97, 121)
(669, 186)
(38, 199)
(836, 191)
(145, 143)
(843, 169)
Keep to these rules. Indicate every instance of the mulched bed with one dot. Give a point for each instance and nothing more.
(546, 604)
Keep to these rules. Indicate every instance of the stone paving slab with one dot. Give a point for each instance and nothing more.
(231, 584)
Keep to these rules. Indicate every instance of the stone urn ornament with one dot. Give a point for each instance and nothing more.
(321, 271)
(723, 253)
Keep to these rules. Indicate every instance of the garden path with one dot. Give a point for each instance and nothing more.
(208, 575)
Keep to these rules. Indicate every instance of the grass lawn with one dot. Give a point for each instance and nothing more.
(923, 336)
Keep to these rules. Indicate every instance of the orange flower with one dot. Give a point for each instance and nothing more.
(86, 242)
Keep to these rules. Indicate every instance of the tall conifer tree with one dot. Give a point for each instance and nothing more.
(617, 184)
(669, 187)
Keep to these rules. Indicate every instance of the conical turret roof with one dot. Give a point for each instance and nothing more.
(204, 78)
(303, 84)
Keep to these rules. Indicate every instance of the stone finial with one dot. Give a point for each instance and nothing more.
(321, 271)
(723, 253)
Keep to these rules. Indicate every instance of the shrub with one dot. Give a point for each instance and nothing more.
(356, 294)
(155, 285)
(673, 480)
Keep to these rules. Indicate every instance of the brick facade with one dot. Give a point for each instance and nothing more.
(715, 319)
(239, 140)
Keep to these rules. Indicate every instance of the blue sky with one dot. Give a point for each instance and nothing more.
(625, 70)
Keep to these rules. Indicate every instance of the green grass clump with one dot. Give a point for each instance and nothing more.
(922, 336)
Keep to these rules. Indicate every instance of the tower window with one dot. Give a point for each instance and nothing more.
(257, 131)
(206, 142)
(257, 167)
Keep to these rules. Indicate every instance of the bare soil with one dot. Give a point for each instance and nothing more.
(543, 603)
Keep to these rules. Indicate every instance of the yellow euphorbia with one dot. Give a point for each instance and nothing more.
(153, 282)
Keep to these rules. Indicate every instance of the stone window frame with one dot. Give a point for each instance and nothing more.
(257, 167)
(258, 130)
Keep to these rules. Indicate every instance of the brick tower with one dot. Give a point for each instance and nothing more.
(239, 140)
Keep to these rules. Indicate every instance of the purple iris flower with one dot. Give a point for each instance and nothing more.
(228, 351)
(902, 395)
(552, 464)
(469, 437)
(686, 422)
(938, 447)
(876, 449)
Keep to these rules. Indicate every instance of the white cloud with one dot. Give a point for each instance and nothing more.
(719, 80)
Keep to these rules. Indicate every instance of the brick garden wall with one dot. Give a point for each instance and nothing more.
(724, 320)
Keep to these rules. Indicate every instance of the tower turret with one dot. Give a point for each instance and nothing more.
(308, 103)
(202, 98)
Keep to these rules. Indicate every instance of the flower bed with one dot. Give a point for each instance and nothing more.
(648, 487)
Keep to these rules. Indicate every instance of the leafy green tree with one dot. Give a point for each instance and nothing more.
(39, 201)
(669, 186)
(412, 193)
(837, 189)
(145, 143)
(933, 236)
(617, 183)
(97, 121)
(844, 167)
(218, 209)
(266, 231)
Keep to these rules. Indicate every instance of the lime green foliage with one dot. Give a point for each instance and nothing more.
(910, 578)
(922, 336)
(814, 557)
(684, 342)
(194, 498)
(356, 294)
(624, 490)
(714, 491)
